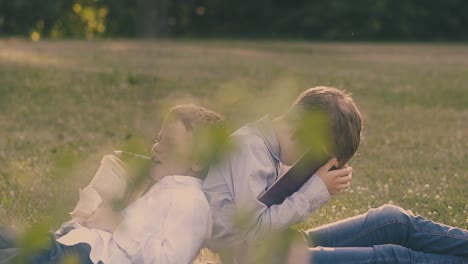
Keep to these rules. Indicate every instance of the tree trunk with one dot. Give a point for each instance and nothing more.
(151, 18)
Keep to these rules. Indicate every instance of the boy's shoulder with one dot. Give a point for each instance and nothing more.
(257, 138)
(251, 133)
(184, 195)
(257, 131)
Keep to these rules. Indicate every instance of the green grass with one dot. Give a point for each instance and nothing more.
(63, 104)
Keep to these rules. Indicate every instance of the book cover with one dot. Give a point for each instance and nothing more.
(294, 178)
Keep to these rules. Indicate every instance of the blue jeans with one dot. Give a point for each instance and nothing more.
(387, 234)
(54, 252)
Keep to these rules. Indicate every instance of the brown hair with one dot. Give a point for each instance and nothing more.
(209, 130)
(344, 115)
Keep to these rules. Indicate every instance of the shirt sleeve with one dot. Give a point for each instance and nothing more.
(252, 168)
(187, 225)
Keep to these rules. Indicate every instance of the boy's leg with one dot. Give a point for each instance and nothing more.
(79, 252)
(52, 253)
(58, 253)
(383, 254)
(8, 245)
(391, 225)
(8, 237)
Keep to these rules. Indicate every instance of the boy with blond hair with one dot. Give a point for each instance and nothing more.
(168, 223)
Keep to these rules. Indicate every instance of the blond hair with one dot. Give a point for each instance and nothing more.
(209, 130)
(196, 117)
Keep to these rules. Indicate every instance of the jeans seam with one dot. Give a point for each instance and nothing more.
(353, 262)
(459, 237)
(379, 260)
(372, 229)
(413, 261)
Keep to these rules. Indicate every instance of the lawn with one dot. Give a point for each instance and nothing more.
(64, 104)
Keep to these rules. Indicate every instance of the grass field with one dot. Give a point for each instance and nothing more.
(63, 104)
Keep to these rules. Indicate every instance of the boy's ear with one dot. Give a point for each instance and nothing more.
(197, 166)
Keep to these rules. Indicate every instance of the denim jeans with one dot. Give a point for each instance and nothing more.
(54, 252)
(387, 234)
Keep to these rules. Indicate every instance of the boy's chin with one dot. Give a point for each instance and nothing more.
(287, 162)
(158, 171)
(155, 160)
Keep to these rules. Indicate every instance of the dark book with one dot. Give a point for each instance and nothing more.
(294, 178)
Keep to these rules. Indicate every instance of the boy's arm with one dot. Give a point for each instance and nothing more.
(187, 225)
(251, 170)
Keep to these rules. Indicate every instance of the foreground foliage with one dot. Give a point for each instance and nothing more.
(65, 104)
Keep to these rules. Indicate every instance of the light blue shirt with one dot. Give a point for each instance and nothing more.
(166, 225)
(232, 188)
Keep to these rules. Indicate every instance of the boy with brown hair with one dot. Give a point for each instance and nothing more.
(387, 234)
(233, 186)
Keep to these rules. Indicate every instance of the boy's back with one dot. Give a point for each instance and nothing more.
(232, 188)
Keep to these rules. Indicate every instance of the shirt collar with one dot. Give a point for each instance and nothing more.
(268, 134)
(177, 180)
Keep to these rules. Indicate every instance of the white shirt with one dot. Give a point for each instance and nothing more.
(166, 225)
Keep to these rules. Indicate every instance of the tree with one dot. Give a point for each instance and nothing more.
(152, 18)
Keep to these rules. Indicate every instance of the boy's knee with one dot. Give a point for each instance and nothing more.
(392, 254)
(307, 236)
(394, 212)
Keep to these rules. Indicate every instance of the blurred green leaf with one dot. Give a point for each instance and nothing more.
(314, 133)
(212, 144)
(33, 240)
(70, 259)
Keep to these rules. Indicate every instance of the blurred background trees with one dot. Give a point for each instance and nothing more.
(298, 19)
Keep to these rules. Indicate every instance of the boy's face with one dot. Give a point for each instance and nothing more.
(291, 152)
(311, 133)
(172, 150)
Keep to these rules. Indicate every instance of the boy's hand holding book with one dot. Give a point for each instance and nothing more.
(108, 185)
(113, 182)
(337, 181)
(104, 218)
